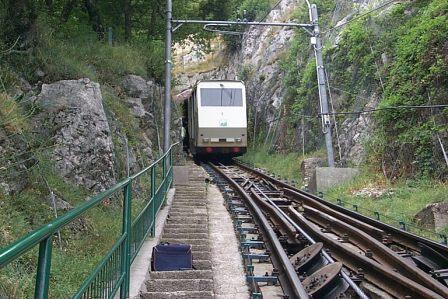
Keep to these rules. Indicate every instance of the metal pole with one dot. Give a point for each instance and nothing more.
(43, 269)
(126, 229)
(168, 65)
(321, 81)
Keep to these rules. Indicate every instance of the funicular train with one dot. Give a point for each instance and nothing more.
(215, 119)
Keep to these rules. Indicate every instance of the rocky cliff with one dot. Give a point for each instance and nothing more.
(88, 135)
(261, 62)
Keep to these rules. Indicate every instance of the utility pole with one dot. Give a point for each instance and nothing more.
(168, 66)
(316, 42)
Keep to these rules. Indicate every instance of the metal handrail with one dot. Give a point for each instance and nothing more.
(120, 252)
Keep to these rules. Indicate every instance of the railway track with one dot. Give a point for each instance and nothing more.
(312, 248)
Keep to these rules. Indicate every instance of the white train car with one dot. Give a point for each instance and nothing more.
(217, 119)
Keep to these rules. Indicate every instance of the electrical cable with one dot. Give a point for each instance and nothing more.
(272, 8)
(441, 106)
(265, 16)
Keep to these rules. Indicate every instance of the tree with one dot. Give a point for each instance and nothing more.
(127, 19)
(94, 17)
(20, 21)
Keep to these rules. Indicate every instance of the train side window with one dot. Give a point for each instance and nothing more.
(221, 97)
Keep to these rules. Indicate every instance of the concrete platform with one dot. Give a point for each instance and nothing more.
(326, 177)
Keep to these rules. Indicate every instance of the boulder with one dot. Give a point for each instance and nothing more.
(308, 167)
(434, 216)
(137, 87)
(72, 115)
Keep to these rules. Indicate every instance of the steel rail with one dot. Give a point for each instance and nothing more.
(422, 277)
(347, 278)
(288, 270)
(326, 256)
(381, 253)
(387, 279)
(403, 237)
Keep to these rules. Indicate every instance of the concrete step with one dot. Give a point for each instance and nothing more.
(188, 274)
(189, 216)
(178, 208)
(188, 204)
(187, 220)
(186, 230)
(199, 191)
(185, 241)
(189, 198)
(174, 225)
(188, 285)
(178, 295)
(202, 264)
(184, 235)
(201, 255)
(186, 212)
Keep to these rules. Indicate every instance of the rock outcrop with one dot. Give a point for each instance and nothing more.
(434, 216)
(308, 168)
(258, 63)
(72, 115)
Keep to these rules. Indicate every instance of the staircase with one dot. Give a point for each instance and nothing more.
(187, 223)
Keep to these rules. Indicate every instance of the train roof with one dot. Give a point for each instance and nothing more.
(214, 81)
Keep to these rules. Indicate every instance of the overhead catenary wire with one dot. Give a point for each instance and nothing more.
(270, 10)
(409, 107)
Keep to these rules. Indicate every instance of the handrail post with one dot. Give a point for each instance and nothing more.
(153, 200)
(126, 230)
(170, 169)
(164, 167)
(43, 269)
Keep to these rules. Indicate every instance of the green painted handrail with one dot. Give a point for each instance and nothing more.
(113, 271)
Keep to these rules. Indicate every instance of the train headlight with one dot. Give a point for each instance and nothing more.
(206, 140)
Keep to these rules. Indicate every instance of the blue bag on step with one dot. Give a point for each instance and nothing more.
(172, 257)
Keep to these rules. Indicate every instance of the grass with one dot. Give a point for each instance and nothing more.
(84, 244)
(284, 165)
(88, 57)
(82, 55)
(11, 114)
(403, 201)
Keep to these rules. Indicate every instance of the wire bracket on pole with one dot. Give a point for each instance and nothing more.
(178, 26)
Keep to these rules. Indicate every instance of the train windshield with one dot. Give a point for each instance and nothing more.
(219, 97)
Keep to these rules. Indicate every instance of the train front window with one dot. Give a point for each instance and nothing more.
(219, 97)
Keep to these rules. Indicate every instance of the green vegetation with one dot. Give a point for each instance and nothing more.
(398, 201)
(283, 165)
(398, 57)
(401, 201)
(47, 41)
(83, 243)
